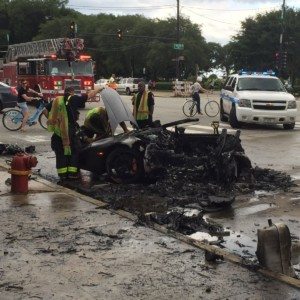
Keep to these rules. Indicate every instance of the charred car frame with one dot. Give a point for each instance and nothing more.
(148, 153)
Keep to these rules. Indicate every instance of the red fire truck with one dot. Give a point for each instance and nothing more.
(49, 66)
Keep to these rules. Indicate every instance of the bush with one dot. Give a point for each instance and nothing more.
(296, 90)
(164, 86)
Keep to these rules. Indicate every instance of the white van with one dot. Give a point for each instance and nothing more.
(257, 98)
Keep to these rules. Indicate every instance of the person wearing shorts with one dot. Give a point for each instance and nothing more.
(23, 99)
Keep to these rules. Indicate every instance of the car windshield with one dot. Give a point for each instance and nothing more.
(260, 84)
(61, 67)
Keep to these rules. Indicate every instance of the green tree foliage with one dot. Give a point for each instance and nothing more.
(257, 43)
(147, 44)
(25, 16)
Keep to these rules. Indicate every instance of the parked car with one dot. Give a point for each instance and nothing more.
(128, 85)
(258, 98)
(101, 83)
(8, 96)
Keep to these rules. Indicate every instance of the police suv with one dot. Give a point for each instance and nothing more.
(261, 98)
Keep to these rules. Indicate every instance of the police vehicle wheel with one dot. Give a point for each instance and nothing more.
(233, 121)
(289, 126)
(124, 166)
(222, 115)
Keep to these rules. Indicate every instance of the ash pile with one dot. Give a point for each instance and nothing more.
(12, 149)
(200, 171)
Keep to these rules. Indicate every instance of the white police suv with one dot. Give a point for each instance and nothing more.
(251, 97)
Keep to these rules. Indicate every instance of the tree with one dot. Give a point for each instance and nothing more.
(256, 45)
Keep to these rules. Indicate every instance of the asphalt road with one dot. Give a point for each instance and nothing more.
(267, 146)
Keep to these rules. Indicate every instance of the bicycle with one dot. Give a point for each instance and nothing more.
(12, 118)
(211, 108)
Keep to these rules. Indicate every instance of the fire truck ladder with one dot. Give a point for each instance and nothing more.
(37, 49)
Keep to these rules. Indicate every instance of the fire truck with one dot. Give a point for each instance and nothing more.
(49, 66)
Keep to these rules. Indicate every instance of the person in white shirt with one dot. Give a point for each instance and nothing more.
(196, 89)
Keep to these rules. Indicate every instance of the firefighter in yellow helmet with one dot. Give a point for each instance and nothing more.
(96, 125)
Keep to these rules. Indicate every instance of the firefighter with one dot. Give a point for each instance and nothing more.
(62, 121)
(143, 106)
(96, 125)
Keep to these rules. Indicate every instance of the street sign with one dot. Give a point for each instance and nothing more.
(178, 46)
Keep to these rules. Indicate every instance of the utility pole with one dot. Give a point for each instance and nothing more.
(281, 38)
(177, 40)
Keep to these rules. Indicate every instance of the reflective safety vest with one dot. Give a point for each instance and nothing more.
(100, 113)
(142, 112)
(58, 120)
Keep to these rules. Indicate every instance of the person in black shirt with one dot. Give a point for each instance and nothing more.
(23, 99)
(62, 121)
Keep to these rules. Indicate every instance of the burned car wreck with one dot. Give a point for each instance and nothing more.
(148, 154)
(163, 166)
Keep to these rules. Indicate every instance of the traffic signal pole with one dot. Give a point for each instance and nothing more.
(281, 38)
(177, 39)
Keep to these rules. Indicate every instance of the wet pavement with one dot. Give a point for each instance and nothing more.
(58, 244)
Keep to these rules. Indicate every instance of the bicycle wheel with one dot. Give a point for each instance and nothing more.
(212, 108)
(189, 108)
(12, 119)
(43, 120)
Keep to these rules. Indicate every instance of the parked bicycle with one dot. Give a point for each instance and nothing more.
(211, 108)
(12, 118)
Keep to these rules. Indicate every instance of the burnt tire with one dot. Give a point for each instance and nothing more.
(233, 121)
(124, 166)
(223, 118)
(289, 126)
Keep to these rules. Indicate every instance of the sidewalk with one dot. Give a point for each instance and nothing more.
(58, 244)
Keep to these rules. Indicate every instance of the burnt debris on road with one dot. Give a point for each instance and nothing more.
(187, 171)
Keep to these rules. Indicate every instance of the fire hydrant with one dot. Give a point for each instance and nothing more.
(20, 169)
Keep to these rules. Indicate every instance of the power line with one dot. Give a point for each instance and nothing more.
(120, 7)
(87, 7)
(122, 48)
(210, 18)
(232, 10)
(130, 36)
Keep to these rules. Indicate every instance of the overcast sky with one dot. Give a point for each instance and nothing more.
(220, 19)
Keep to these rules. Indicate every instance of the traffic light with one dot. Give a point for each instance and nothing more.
(277, 59)
(284, 60)
(120, 34)
(73, 29)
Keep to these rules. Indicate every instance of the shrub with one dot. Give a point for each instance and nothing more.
(164, 86)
